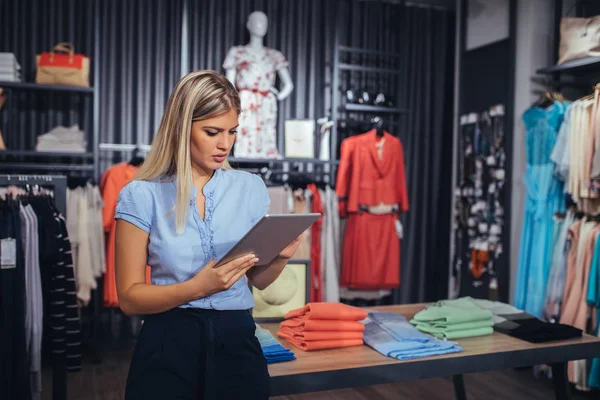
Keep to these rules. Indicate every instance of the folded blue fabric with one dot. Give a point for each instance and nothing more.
(264, 337)
(273, 351)
(274, 358)
(393, 336)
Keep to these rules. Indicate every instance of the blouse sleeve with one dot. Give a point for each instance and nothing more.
(231, 58)
(259, 200)
(279, 59)
(134, 205)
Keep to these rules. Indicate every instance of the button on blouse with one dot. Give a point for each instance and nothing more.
(235, 202)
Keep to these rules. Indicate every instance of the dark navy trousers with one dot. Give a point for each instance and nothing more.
(190, 353)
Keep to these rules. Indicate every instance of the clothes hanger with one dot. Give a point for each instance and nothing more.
(591, 95)
(136, 159)
(378, 125)
(545, 100)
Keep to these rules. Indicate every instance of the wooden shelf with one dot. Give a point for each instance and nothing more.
(588, 63)
(370, 108)
(36, 86)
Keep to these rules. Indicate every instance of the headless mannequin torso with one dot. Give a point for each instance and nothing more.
(252, 69)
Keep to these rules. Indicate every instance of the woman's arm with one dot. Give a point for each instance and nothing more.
(135, 295)
(261, 277)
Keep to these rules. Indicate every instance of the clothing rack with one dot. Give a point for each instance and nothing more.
(59, 184)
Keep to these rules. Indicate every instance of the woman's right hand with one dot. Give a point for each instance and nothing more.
(210, 280)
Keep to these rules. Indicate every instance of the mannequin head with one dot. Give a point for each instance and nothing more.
(257, 23)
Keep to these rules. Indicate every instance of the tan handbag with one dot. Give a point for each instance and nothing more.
(66, 68)
(579, 38)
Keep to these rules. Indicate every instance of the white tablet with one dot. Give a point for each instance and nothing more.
(272, 234)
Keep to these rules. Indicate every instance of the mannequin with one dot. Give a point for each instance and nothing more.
(252, 69)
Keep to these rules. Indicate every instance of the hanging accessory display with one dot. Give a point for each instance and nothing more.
(62, 66)
(479, 211)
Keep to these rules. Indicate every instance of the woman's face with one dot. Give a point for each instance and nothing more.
(212, 140)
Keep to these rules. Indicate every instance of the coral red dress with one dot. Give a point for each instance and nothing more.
(371, 252)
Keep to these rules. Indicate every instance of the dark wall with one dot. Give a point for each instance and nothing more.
(486, 73)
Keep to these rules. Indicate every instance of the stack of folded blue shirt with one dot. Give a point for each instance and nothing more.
(393, 336)
(273, 351)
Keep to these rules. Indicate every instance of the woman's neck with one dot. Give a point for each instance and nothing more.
(201, 176)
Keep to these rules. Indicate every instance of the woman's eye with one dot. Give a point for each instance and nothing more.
(209, 133)
(232, 132)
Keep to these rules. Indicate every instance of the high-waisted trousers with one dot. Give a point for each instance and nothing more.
(190, 353)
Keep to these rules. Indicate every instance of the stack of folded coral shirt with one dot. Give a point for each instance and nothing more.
(393, 336)
(454, 319)
(319, 326)
(273, 351)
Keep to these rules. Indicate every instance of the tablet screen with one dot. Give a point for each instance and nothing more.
(272, 234)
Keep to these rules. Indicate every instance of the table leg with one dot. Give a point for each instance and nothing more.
(562, 389)
(459, 387)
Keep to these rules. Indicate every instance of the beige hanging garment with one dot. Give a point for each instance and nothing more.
(2, 101)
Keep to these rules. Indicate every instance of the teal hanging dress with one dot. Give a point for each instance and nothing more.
(544, 197)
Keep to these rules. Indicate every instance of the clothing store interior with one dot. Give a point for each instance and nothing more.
(463, 131)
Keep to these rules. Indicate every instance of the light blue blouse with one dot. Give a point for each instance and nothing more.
(235, 202)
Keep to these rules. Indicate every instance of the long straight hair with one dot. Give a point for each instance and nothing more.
(197, 96)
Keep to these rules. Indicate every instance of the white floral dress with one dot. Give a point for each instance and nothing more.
(255, 80)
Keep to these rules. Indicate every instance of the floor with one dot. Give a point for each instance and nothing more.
(106, 381)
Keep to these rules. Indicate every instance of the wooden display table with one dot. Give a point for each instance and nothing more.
(352, 367)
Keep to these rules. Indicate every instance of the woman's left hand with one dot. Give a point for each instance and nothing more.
(290, 250)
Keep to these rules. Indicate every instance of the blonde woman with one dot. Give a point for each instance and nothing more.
(184, 210)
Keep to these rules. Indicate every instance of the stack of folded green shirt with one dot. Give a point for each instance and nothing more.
(454, 319)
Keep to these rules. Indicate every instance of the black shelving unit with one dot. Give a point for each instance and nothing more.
(574, 66)
(321, 171)
(20, 154)
(351, 65)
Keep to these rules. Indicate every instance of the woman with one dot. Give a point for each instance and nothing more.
(184, 210)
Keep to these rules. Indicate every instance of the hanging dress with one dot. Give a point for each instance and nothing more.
(255, 81)
(593, 300)
(544, 196)
(371, 252)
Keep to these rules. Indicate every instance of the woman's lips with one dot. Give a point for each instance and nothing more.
(219, 158)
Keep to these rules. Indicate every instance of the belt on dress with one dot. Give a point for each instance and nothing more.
(382, 209)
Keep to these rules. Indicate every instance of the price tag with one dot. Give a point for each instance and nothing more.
(8, 253)
(399, 230)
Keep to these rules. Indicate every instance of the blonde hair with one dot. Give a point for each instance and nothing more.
(197, 96)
